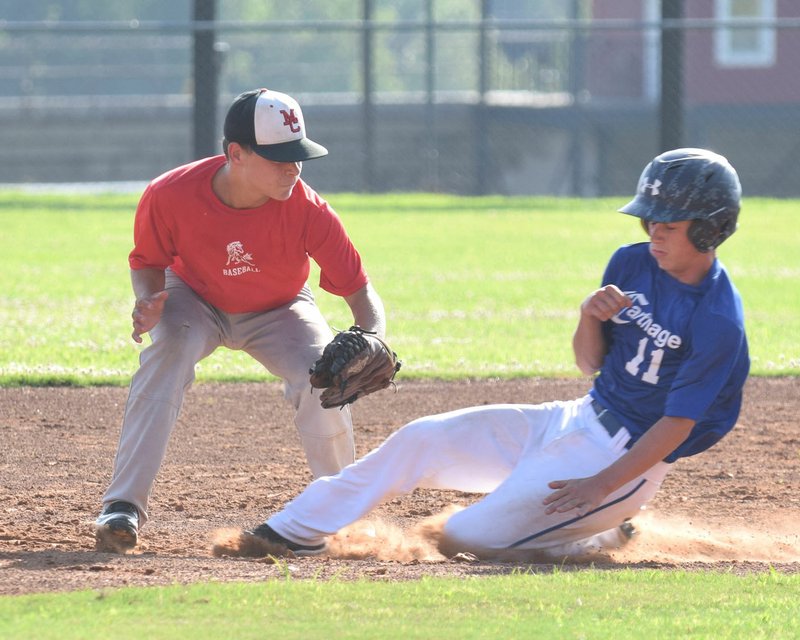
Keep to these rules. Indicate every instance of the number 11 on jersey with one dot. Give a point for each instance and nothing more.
(651, 375)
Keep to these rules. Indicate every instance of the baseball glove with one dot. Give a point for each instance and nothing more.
(354, 364)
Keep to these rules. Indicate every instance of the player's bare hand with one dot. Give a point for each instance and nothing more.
(605, 303)
(146, 313)
(582, 494)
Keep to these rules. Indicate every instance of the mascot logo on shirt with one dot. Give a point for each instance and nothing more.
(239, 260)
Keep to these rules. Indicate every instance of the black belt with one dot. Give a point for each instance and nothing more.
(611, 424)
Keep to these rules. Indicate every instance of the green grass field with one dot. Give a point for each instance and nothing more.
(474, 287)
(586, 604)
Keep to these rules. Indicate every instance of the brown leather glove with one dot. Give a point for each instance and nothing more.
(354, 364)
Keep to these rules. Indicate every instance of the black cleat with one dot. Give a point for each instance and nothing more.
(627, 530)
(117, 527)
(269, 534)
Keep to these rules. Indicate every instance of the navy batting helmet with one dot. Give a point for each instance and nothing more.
(690, 184)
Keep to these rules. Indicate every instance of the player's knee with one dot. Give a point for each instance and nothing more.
(174, 352)
(171, 328)
(423, 432)
(459, 535)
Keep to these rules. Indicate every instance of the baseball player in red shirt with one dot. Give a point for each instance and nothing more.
(221, 258)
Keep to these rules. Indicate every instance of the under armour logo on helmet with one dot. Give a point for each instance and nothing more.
(290, 120)
(653, 186)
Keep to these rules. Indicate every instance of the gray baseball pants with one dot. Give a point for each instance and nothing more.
(286, 340)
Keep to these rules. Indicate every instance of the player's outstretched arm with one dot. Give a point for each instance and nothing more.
(588, 343)
(368, 312)
(585, 494)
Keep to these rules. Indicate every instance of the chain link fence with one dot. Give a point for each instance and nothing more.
(489, 100)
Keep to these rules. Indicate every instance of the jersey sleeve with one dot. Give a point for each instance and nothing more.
(717, 344)
(153, 246)
(341, 270)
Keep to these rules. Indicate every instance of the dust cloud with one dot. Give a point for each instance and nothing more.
(659, 538)
(376, 538)
(662, 538)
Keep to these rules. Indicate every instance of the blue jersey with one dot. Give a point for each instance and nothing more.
(679, 351)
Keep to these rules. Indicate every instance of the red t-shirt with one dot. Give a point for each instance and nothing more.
(241, 260)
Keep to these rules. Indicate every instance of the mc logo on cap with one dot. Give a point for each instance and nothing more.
(278, 118)
(271, 123)
(290, 120)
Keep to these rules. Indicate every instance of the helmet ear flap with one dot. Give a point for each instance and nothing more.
(727, 228)
(708, 233)
(703, 235)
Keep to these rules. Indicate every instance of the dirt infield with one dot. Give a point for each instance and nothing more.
(234, 458)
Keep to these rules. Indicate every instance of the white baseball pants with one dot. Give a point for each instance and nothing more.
(509, 452)
(286, 340)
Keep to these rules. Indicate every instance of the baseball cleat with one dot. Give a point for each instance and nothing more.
(265, 532)
(627, 530)
(117, 527)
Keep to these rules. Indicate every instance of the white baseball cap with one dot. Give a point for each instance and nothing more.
(271, 123)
